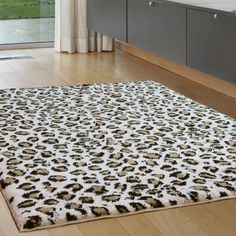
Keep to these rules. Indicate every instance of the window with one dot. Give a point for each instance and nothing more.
(26, 21)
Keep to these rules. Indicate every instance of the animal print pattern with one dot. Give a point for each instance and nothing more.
(75, 153)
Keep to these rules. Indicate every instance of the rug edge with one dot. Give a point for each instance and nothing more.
(109, 216)
(123, 215)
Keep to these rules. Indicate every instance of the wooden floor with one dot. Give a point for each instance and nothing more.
(50, 68)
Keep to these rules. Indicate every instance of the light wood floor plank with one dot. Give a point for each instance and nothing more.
(174, 222)
(208, 221)
(3, 83)
(107, 227)
(5, 67)
(12, 79)
(70, 230)
(226, 210)
(139, 225)
(1, 232)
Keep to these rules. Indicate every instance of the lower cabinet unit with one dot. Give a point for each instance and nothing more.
(108, 17)
(158, 27)
(212, 44)
(203, 39)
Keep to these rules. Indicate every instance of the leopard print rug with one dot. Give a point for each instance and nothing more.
(76, 153)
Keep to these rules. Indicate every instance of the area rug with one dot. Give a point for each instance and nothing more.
(77, 153)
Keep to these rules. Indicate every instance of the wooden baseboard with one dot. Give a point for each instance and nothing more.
(217, 84)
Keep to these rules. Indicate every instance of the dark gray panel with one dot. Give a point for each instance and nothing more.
(212, 44)
(160, 29)
(108, 17)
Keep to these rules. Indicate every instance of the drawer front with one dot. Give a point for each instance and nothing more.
(160, 29)
(108, 17)
(212, 44)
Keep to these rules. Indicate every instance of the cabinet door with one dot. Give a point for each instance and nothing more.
(212, 44)
(108, 17)
(158, 27)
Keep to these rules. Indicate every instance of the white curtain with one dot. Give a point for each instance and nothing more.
(71, 33)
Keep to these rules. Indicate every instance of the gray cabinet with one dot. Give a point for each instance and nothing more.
(158, 27)
(108, 17)
(212, 44)
(188, 35)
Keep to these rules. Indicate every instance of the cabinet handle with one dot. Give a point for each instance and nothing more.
(216, 16)
(151, 4)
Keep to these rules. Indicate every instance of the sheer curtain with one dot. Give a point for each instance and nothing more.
(71, 33)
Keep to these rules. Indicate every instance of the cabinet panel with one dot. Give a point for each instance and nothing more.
(108, 17)
(212, 44)
(158, 27)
